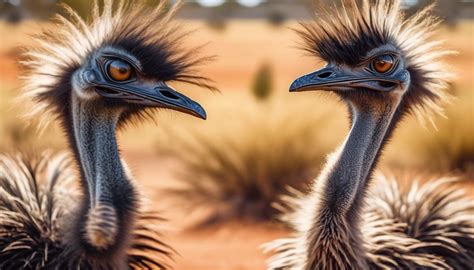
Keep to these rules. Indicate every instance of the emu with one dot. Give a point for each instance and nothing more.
(93, 77)
(384, 67)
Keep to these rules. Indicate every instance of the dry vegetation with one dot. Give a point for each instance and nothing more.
(244, 158)
(451, 146)
(239, 160)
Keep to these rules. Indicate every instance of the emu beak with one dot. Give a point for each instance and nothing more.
(152, 95)
(335, 78)
(164, 96)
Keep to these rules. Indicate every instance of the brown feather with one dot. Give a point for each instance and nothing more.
(36, 199)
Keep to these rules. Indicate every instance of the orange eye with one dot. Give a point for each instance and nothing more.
(383, 63)
(119, 70)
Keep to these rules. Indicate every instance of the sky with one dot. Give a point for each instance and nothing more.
(254, 3)
(246, 3)
(214, 3)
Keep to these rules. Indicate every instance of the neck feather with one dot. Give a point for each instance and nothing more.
(351, 165)
(339, 190)
(94, 133)
(106, 213)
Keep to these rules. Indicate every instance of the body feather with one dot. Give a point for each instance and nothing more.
(427, 226)
(37, 198)
(44, 222)
(342, 223)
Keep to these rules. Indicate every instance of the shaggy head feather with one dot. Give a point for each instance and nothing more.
(345, 35)
(147, 33)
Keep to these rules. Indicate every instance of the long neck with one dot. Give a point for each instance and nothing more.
(97, 152)
(339, 191)
(352, 164)
(106, 212)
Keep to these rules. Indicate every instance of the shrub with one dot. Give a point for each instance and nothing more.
(276, 18)
(18, 134)
(217, 23)
(448, 148)
(451, 147)
(262, 86)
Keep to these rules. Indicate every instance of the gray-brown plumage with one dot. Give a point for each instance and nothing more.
(93, 76)
(383, 66)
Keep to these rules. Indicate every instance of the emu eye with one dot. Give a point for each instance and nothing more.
(119, 70)
(383, 63)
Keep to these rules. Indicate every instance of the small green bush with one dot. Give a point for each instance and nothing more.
(262, 86)
(276, 18)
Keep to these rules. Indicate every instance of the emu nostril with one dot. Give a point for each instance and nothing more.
(107, 91)
(386, 84)
(324, 75)
(168, 94)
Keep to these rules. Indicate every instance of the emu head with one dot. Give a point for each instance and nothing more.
(373, 52)
(94, 75)
(120, 60)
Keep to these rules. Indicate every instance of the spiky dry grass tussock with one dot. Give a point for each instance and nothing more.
(246, 155)
(36, 199)
(448, 148)
(451, 146)
(422, 226)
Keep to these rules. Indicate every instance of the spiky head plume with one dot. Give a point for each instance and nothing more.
(345, 35)
(147, 33)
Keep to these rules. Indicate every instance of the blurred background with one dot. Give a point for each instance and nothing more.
(216, 180)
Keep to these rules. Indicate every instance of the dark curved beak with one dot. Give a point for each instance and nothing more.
(152, 95)
(335, 78)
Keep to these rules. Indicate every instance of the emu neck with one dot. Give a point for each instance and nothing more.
(94, 133)
(106, 213)
(334, 235)
(355, 160)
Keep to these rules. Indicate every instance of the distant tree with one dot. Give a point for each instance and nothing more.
(276, 17)
(217, 15)
(80, 6)
(445, 9)
(43, 9)
(10, 12)
(448, 10)
(15, 11)
(216, 22)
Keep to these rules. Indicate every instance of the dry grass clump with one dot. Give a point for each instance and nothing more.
(17, 134)
(447, 148)
(451, 147)
(240, 162)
